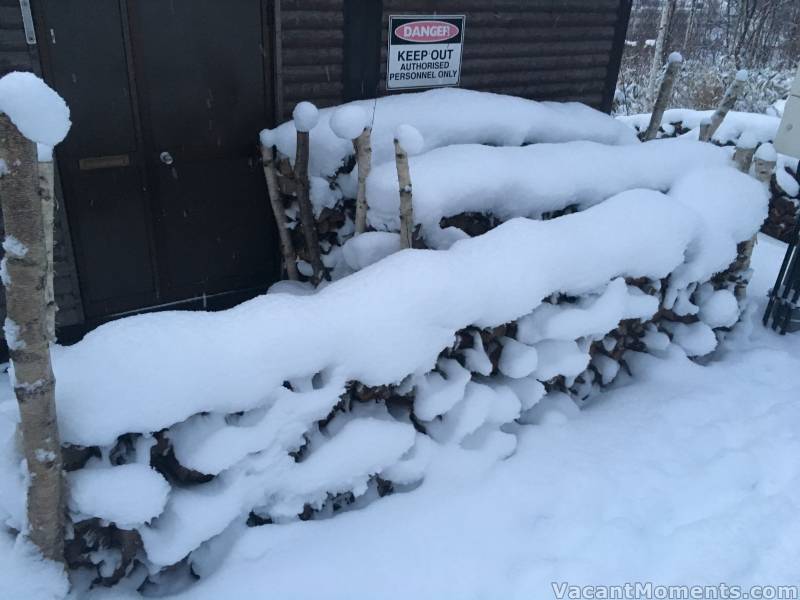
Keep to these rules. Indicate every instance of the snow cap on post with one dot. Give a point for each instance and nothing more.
(767, 153)
(267, 137)
(409, 138)
(675, 57)
(305, 116)
(741, 75)
(349, 121)
(40, 114)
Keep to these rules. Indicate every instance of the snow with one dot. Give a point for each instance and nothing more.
(675, 57)
(481, 118)
(409, 138)
(741, 75)
(528, 181)
(11, 335)
(14, 247)
(367, 248)
(349, 121)
(517, 359)
(709, 450)
(403, 323)
(690, 473)
(127, 495)
(40, 114)
(305, 116)
(766, 152)
(762, 127)
(26, 575)
(720, 309)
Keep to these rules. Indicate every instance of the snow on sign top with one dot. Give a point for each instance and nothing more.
(424, 51)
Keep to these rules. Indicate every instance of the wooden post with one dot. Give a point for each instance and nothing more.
(667, 11)
(664, 94)
(305, 117)
(271, 177)
(406, 197)
(743, 155)
(764, 164)
(24, 274)
(363, 147)
(763, 167)
(306, 210)
(731, 95)
(47, 194)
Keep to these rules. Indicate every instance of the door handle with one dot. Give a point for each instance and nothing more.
(166, 158)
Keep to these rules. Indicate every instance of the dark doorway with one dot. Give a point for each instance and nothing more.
(161, 176)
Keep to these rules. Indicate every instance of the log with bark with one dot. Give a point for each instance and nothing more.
(305, 118)
(664, 95)
(24, 274)
(271, 177)
(732, 94)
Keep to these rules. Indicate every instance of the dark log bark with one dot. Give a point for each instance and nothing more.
(306, 210)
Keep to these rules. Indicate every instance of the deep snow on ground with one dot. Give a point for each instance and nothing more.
(685, 474)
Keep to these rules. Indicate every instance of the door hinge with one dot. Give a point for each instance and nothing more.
(27, 22)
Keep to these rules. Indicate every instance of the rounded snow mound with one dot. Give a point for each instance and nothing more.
(35, 108)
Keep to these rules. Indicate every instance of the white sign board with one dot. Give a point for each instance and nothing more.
(787, 141)
(424, 51)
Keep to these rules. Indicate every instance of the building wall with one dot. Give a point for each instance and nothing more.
(331, 51)
(16, 55)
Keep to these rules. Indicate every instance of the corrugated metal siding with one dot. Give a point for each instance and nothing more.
(540, 49)
(312, 53)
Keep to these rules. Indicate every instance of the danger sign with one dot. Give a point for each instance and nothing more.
(424, 51)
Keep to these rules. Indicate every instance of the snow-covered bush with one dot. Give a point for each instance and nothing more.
(547, 264)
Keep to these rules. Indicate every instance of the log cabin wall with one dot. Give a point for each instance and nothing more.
(332, 51)
(564, 50)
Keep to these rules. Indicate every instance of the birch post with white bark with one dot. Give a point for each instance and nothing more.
(25, 272)
(667, 10)
(728, 100)
(47, 194)
(406, 196)
(273, 190)
(743, 155)
(363, 147)
(664, 95)
(766, 159)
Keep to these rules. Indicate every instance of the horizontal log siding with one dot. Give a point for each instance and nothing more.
(539, 49)
(15, 54)
(312, 50)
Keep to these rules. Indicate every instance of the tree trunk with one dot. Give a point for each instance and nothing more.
(46, 192)
(658, 52)
(26, 335)
(731, 95)
(406, 205)
(271, 177)
(363, 147)
(306, 210)
(664, 95)
(689, 26)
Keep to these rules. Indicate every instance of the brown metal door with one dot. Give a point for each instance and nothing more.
(162, 184)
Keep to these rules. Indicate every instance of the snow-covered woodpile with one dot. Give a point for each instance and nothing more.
(746, 130)
(546, 264)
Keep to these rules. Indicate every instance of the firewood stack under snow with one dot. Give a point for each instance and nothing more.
(738, 131)
(558, 247)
